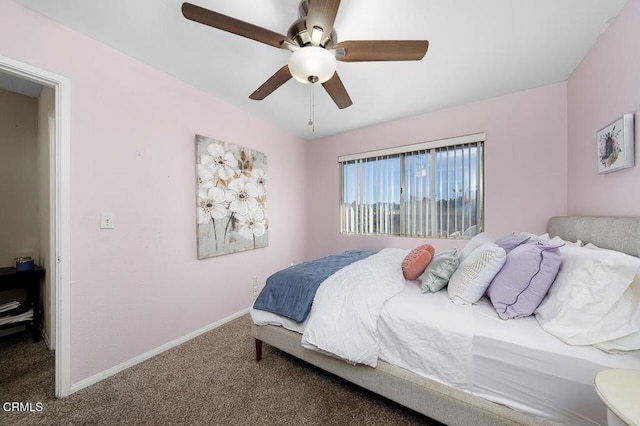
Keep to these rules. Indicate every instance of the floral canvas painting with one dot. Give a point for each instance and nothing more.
(231, 198)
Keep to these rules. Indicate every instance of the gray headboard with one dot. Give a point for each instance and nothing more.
(615, 233)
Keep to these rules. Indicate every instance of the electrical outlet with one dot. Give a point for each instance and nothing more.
(255, 286)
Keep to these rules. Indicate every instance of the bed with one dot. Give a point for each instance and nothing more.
(490, 371)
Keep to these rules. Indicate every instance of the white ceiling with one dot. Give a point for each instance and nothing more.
(478, 50)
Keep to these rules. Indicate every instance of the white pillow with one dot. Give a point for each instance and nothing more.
(469, 282)
(592, 300)
(473, 244)
(545, 239)
(534, 237)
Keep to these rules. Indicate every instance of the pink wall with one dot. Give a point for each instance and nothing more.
(605, 86)
(139, 286)
(525, 165)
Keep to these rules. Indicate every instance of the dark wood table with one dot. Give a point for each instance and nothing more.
(30, 281)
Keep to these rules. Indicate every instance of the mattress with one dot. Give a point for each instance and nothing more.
(517, 363)
(513, 362)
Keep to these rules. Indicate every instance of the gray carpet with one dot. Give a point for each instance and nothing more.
(210, 380)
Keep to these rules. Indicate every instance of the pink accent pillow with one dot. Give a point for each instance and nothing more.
(417, 261)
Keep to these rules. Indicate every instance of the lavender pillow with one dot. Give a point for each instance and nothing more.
(511, 241)
(519, 287)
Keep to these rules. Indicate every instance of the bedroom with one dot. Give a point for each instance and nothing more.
(140, 121)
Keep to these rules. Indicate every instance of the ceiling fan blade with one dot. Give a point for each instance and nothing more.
(232, 25)
(338, 93)
(278, 79)
(381, 50)
(322, 13)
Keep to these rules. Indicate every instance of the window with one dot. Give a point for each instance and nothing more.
(434, 190)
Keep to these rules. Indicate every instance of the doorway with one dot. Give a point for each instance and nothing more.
(60, 211)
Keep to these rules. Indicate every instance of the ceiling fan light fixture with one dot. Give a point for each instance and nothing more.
(312, 64)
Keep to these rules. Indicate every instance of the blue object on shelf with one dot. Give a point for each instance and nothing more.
(24, 264)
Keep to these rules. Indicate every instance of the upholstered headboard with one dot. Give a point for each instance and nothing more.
(615, 233)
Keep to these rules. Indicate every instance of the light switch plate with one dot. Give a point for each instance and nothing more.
(107, 220)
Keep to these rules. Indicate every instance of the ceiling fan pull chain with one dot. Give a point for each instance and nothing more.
(311, 109)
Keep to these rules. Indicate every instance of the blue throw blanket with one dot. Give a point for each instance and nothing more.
(290, 292)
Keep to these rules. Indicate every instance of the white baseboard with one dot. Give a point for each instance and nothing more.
(45, 337)
(145, 356)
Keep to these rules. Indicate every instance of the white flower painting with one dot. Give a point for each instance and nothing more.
(231, 198)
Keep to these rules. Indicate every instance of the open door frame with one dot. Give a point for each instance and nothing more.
(60, 221)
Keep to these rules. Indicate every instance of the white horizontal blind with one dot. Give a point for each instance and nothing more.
(432, 192)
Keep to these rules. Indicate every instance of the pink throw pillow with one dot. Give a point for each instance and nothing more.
(417, 261)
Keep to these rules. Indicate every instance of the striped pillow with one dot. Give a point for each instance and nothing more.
(469, 282)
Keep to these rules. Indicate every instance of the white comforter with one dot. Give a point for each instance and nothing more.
(429, 335)
(344, 316)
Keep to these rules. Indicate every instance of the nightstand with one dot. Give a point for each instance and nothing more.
(620, 391)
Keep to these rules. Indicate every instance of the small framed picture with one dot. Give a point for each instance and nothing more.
(616, 145)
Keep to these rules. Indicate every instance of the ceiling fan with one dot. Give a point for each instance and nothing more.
(313, 44)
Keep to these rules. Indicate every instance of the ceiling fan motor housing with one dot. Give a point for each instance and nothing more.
(298, 32)
(302, 37)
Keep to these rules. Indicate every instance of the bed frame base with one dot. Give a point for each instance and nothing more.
(427, 397)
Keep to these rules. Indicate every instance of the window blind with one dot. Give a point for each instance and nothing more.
(430, 190)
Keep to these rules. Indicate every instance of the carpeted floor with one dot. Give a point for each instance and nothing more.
(210, 380)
